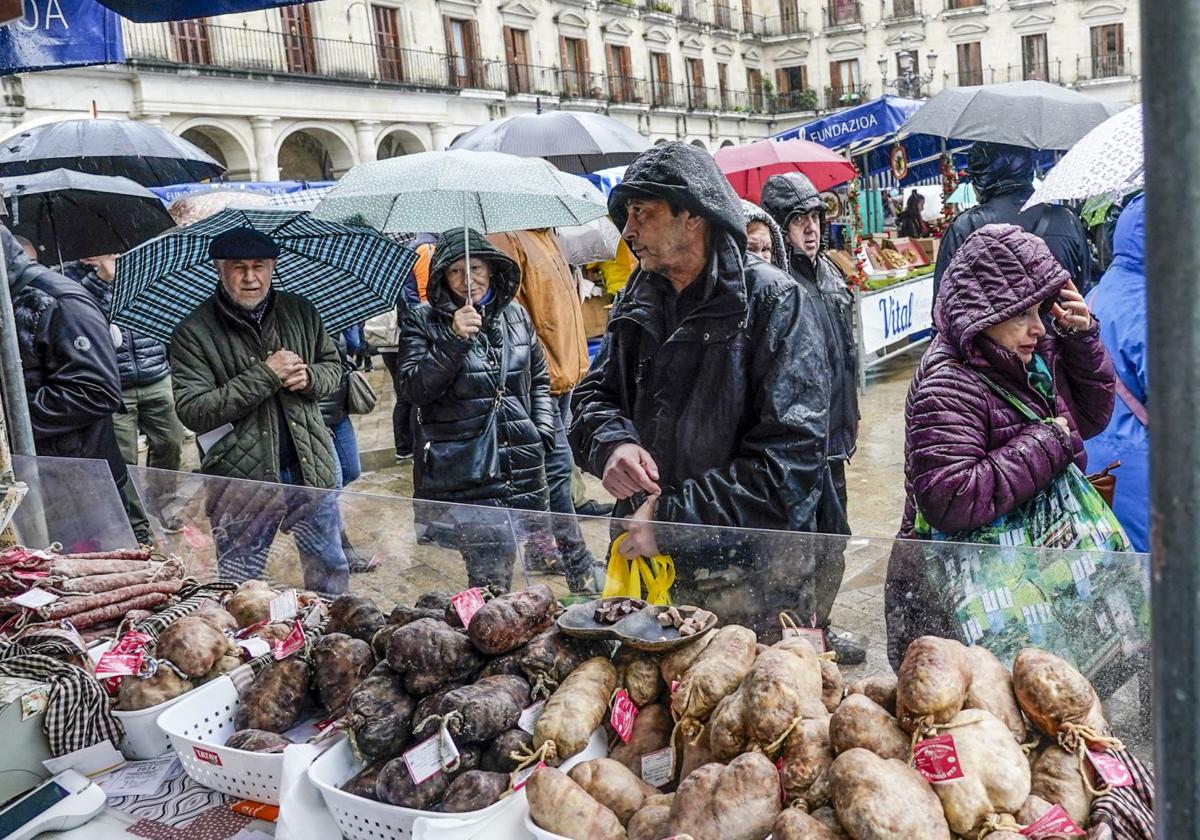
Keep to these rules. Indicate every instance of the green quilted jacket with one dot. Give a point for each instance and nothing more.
(218, 362)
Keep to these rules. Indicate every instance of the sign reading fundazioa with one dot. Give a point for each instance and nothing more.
(59, 33)
(895, 313)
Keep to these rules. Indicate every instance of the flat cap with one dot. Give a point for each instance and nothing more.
(243, 243)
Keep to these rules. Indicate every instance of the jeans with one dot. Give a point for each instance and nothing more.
(576, 558)
(485, 536)
(345, 445)
(401, 411)
(244, 535)
(831, 555)
(150, 409)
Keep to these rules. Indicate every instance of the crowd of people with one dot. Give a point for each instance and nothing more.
(724, 392)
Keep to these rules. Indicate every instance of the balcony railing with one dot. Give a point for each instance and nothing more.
(575, 84)
(626, 90)
(753, 24)
(960, 5)
(1107, 66)
(979, 76)
(531, 79)
(724, 18)
(1044, 71)
(795, 100)
(844, 96)
(843, 13)
(901, 10)
(660, 7)
(696, 12)
(795, 22)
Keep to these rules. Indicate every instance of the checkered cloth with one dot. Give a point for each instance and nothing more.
(1128, 811)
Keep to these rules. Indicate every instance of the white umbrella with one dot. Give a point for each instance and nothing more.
(1109, 159)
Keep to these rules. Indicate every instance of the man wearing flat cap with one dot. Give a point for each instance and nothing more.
(251, 364)
(708, 403)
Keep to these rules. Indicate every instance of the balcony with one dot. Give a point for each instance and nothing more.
(795, 101)
(1047, 71)
(964, 8)
(694, 14)
(532, 80)
(575, 84)
(843, 16)
(970, 78)
(243, 51)
(794, 24)
(1099, 68)
(901, 12)
(658, 11)
(844, 96)
(626, 90)
(619, 7)
(753, 24)
(724, 17)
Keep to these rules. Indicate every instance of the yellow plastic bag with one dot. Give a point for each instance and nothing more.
(626, 576)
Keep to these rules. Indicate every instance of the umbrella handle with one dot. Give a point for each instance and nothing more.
(467, 243)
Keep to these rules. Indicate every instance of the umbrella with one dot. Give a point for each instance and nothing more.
(576, 142)
(348, 273)
(748, 166)
(1108, 161)
(139, 151)
(1036, 115)
(595, 241)
(69, 215)
(194, 207)
(301, 199)
(963, 195)
(161, 10)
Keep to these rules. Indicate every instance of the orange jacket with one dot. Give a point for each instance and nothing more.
(421, 269)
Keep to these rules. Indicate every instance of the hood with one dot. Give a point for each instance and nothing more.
(997, 169)
(14, 255)
(506, 275)
(998, 272)
(687, 177)
(783, 196)
(1129, 236)
(754, 213)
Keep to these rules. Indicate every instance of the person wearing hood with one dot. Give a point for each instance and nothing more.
(708, 401)
(764, 239)
(473, 368)
(1003, 179)
(797, 207)
(1009, 312)
(1119, 303)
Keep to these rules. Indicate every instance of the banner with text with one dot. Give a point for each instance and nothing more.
(895, 313)
(61, 33)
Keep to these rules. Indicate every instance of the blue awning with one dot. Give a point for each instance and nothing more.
(857, 127)
(65, 33)
(160, 10)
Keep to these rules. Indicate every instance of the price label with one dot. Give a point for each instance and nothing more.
(291, 643)
(936, 759)
(34, 598)
(254, 646)
(674, 685)
(207, 756)
(424, 761)
(246, 631)
(1055, 822)
(467, 603)
(284, 605)
(30, 575)
(131, 642)
(113, 664)
(523, 775)
(658, 767)
(1111, 769)
(530, 715)
(815, 636)
(624, 713)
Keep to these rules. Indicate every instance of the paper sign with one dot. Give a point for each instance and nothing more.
(936, 759)
(1111, 769)
(291, 643)
(658, 767)
(119, 664)
(207, 756)
(246, 631)
(34, 598)
(466, 604)
(1054, 822)
(530, 715)
(624, 713)
(523, 775)
(90, 761)
(448, 747)
(424, 760)
(141, 778)
(815, 636)
(34, 702)
(284, 605)
(254, 646)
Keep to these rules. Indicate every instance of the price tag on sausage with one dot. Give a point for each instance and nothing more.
(658, 767)
(1111, 769)
(530, 715)
(1054, 823)
(624, 713)
(523, 775)
(467, 603)
(425, 760)
(30, 575)
(113, 664)
(936, 759)
(132, 642)
(814, 635)
(290, 643)
(284, 605)
(254, 646)
(34, 598)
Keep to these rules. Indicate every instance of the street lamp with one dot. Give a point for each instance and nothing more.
(908, 82)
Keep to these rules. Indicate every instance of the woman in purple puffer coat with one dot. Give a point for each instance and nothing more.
(1008, 310)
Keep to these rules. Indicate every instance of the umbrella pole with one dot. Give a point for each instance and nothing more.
(467, 244)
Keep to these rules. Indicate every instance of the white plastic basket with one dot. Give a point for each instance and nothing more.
(539, 833)
(365, 819)
(198, 726)
(143, 739)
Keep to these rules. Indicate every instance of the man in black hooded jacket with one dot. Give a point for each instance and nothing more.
(708, 402)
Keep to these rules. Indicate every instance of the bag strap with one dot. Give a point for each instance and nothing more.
(1132, 403)
(1006, 395)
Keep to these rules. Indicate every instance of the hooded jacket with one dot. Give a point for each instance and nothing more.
(141, 360)
(783, 197)
(1119, 303)
(452, 381)
(733, 403)
(779, 249)
(69, 364)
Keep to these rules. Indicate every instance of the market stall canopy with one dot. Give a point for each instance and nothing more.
(595, 241)
(160, 10)
(54, 34)
(576, 142)
(859, 127)
(271, 188)
(1110, 160)
(348, 273)
(70, 215)
(189, 209)
(1035, 115)
(749, 166)
(606, 179)
(139, 151)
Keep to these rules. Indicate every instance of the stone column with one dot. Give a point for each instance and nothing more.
(364, 133)
(442, 134)
(266, 163)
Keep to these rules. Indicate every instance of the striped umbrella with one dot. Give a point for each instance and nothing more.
(348, 273)
(300, 199)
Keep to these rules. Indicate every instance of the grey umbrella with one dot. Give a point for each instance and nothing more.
(1036, 115)
(576, 142)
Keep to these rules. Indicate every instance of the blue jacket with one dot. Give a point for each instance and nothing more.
(1119, 303)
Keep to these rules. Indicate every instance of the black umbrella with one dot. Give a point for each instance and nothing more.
(141, 152)
(576, 142)
(69, 215)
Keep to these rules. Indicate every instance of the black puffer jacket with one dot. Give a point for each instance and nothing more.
(333, 407)
(452, 381)
(141, 360)
(70, 368)
(733, 404)
(782, 197)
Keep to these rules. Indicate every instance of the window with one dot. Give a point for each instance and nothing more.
(1034, 59)
(462, 53)
(387, 43)
(789, 17)
(723, 84)
(970, 67)
(904, 8)
(695, 74)
(749, 18)
(1108, 51)
(621, 86)
(516, 56)
(845, 80)
(191, 41)
(660, 77)
(844, 11)
(963, 4)
(723, 15)
(791, 83)
(754, 87)
(298, 39)
(574, 67)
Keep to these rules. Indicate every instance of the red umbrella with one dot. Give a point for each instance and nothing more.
(748, 166)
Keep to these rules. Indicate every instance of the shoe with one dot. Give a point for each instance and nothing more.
(590, 583)
(594, 508)
(848, 651)
(403, 457)
(542, 554)
(359, 564)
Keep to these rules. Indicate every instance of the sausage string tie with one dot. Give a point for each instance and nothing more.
(926, 728)
(773, 747)
(1000, 822)
(1076, 738)
(543, 686)
(528, 758)
(444, 722)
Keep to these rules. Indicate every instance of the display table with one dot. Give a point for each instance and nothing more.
(891, 319)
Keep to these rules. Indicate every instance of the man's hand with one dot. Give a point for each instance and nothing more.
(285, 364)
(467, 322)
(630, 469)
(639, 527)
(298, 381)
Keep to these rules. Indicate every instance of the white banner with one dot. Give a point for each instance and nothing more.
(895, 313)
